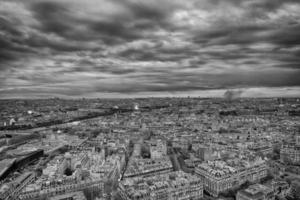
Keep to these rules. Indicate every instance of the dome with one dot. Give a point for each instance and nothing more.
(68, 155)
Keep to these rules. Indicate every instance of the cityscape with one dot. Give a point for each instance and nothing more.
(149, 100)
(153, 148)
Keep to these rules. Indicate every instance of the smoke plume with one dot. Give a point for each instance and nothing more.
(232, 94)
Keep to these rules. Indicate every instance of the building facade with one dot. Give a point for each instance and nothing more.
(256, 192)
(218, 176)
(290, 154)
(172, 186)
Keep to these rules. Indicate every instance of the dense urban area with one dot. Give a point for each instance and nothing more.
(150, 149)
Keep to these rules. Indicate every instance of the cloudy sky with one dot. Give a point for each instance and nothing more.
(127, 48)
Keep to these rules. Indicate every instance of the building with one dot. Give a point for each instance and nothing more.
(6, 167)
(263, 149)
(281, 188)
(256, 192)
(148, 167)
(69, 196)
(206, 153)
(29, 158)
(15, 187)
(173, 185)
(290, 154)
(182, 143)
(158, 149)
(64, 188)
(219, 176)
(137, 149)
(74, 171)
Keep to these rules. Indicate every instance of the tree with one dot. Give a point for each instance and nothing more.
(295, 190)
(267, 178)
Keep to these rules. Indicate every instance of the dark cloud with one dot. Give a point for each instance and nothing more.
(53, 17)
(8, 48)
(87, 65)
(115, 46)
(157, 54)
(114, 32)
(6, 26)
(57, 18)
(286, 36)
(143, 11)
(11, 50)
(236, 34)
(271, 5)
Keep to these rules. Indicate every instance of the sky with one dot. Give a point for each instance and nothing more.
(144, 48)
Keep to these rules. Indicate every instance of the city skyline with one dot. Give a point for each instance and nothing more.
(116, 48)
